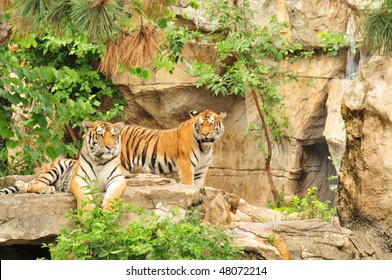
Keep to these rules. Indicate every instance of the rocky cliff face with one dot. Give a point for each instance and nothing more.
(301, 159)
(365, 197)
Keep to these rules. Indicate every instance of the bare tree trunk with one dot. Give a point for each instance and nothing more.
(267, 165)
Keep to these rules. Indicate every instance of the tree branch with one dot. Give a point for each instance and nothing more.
(71, 133)
(267, 165)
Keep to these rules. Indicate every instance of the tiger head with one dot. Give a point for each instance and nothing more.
(207, 125)
(102, 139)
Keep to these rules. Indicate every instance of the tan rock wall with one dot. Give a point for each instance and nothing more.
(300, 160)
(304, 18)
(309, 17)
(365, 196)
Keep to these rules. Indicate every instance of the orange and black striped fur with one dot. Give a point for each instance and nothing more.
(186, 149)
(98, 166)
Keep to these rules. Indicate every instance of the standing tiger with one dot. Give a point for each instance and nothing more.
(98, 166)
(187, 148)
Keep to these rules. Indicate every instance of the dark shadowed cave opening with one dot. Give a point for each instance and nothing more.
(24, 252)
(317, 168)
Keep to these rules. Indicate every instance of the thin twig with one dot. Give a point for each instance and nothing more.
(98, 3)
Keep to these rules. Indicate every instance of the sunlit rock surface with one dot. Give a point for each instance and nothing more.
(32, 219)
(364, 199)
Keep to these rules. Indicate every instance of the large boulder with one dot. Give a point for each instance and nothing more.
(364, 199)
(315, 240)
(34, 218)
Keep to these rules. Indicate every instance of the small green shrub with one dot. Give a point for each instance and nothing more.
(309, 207)
(337, 162)
(271, 239)
(100, 236)
(333, 42)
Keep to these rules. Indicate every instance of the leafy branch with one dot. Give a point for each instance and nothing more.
(130, 29)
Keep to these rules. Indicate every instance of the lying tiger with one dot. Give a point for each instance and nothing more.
(98, 166)
(187, 149)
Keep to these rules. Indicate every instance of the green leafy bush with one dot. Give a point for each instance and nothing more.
(333, 42)
(309, 207)
(54, 84)
(101, 236)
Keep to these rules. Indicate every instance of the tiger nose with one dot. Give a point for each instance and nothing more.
(109, 147)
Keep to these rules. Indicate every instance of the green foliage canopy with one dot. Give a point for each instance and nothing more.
(53, 84)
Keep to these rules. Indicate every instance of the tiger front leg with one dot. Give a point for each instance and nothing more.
(34, 187)
(199, 178)
(186, 171)
(82, 192)
(114, 191)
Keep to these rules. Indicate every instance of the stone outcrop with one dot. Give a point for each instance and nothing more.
(312, 239)
(309, 17)
(335, 129)
(365, 197)
(299, 161)
(31, 219)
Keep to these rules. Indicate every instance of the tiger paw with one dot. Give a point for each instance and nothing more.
(48, 190)
(188, 185)
(21, 186)
(86, 210)
(185, 185)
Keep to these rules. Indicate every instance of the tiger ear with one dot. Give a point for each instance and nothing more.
(222, 116)
(87, 125)
(193, 113)
(119, 126)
